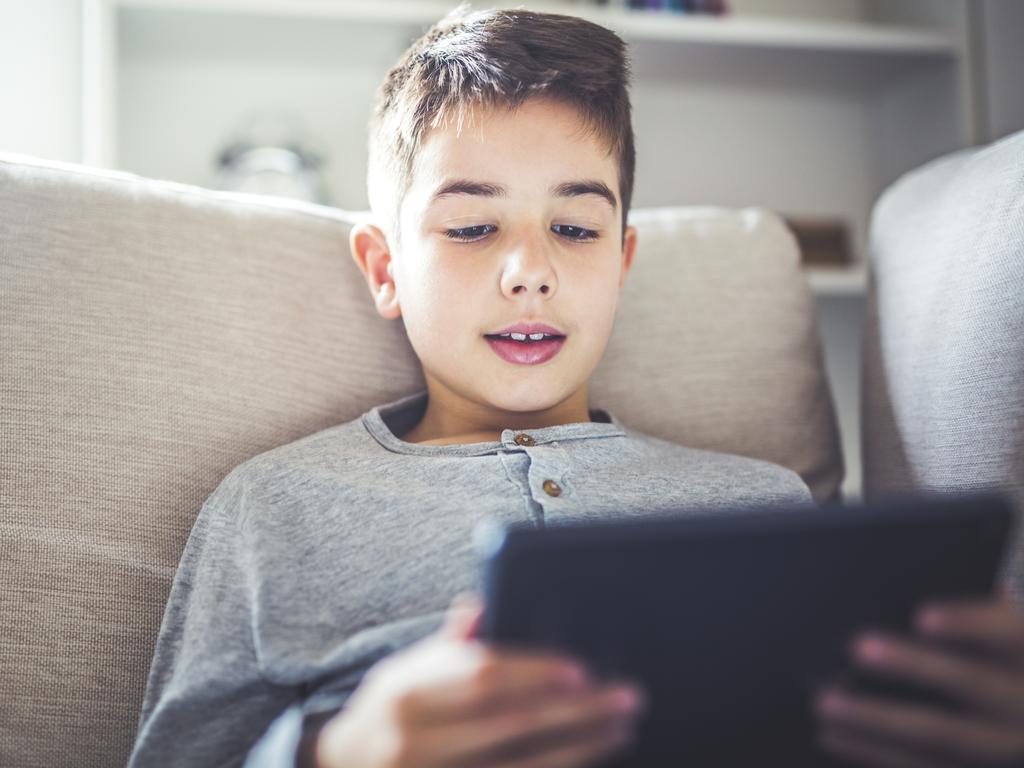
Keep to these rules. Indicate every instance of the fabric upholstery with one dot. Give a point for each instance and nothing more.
(715, 343)
(155, 335)
(943, 369)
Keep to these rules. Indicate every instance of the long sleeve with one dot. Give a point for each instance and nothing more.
(277, 748)
(206, 700)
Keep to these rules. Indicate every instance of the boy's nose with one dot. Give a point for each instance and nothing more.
(529, 270)
(544, 289)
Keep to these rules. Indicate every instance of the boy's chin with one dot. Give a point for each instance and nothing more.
(528, 397)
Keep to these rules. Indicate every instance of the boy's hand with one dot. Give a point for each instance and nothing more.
(989, 731)
(450, 700)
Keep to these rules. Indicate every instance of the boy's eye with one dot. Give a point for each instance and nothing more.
(469, 234)
(575, 233)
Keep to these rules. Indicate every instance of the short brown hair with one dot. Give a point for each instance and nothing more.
(490, 58)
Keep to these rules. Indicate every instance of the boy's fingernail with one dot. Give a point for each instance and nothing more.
(573, 675)
(871, 648)
(629, 699)
(931, 618)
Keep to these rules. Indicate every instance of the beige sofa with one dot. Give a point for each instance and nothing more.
(155, 335)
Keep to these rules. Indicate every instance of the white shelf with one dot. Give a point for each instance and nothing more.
(838, 281)
(733, 30)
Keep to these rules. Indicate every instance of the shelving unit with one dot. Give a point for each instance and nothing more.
(808, 116)
(691, 28)
(846, 71)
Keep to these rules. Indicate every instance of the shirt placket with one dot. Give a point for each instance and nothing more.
(548, 473)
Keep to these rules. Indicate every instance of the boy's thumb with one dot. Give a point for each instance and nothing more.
(462, 621)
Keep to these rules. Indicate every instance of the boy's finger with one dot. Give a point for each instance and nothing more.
(996, 625)
(961, 737)
(553, 720)
(986, 686)
(466, 600)
(492, 680)
(854, 746)
(605, 742)
(462, 619)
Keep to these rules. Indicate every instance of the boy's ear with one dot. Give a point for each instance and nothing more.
(628, 251)
(372, 255)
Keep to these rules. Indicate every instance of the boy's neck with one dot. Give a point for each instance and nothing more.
(451, 420)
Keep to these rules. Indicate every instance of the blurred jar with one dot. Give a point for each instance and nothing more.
(271, 153)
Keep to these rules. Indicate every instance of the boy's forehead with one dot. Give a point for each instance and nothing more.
(499, 132)
(541, 142)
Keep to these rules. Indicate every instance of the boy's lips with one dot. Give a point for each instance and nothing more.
(526, 353)
(525, 350)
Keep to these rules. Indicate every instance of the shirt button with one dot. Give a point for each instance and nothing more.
(552, 488)
(524, 439)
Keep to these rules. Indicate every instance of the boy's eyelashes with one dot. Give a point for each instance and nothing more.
(469, 233)
(568, 231)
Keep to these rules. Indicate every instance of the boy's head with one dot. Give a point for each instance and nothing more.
(479, 59)
(500, 176)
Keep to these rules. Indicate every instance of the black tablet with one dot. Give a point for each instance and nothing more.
(731, 620)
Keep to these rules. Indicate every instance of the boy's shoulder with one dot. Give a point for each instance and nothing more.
(328, 449)
(713, 466)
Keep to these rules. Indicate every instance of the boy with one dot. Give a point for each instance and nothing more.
(307, 604)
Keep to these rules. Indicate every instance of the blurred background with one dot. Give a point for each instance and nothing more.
(808, 107)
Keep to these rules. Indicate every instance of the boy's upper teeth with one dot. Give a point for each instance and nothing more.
(522, 336)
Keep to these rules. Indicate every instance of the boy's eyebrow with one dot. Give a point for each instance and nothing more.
(588, 187)
(467, 187)
(565, 189)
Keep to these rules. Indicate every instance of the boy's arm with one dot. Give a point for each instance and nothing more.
(207, 700)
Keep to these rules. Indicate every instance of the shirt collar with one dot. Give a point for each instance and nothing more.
(401, 415)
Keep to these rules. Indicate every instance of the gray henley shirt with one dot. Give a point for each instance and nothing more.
(311, 561)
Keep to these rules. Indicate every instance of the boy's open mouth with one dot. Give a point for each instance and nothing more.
(525, 349)
(524, 338)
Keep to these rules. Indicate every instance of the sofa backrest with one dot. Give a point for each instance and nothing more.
(943, 369)
(155, 335)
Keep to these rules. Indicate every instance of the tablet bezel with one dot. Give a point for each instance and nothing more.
(969, 530)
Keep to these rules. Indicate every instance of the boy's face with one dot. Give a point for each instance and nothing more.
(533, 249)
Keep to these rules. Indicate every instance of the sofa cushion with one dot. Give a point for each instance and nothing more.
(944, 334)
(715, 343)
(156, 335)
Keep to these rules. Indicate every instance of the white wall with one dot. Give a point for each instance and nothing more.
(852, 10)
(40, 84)
(1003, 60)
